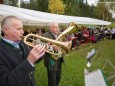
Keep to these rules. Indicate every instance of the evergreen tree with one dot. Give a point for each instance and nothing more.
(72, 7)
(11, 2)
(39, 5)
(42, 5)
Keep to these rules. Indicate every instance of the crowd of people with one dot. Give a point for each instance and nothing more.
(88, 35)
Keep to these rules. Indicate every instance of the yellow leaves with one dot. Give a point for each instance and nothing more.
(56, 6)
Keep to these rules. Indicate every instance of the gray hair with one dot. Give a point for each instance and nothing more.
(6, 20)
(51, 24)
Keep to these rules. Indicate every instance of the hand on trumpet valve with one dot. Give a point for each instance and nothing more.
(36, 53)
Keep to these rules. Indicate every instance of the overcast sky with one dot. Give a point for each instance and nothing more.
(92, 2)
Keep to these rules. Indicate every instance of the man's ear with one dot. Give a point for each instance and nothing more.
(5, 30)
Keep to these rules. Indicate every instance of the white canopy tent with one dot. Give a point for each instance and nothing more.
(35, 18)
(26, 18)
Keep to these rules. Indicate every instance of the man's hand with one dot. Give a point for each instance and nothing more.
(37, 52)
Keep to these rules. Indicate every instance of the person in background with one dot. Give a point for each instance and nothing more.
(112, 33)
(16, 59)
(53, 66)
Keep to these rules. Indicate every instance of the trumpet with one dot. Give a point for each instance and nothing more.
(45, 41)
(32, 39)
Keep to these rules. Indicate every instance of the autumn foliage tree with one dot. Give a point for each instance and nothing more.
(56, 6)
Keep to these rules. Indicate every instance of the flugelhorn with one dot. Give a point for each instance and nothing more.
(43, 40)
(71, 28)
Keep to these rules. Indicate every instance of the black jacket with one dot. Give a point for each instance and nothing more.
(15, 70)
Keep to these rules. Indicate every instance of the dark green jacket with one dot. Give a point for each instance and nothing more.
(15, 70)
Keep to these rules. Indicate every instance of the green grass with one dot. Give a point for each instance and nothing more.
(113, 24)
(75, 62)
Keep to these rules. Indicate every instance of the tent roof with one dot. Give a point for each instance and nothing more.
(35, 18)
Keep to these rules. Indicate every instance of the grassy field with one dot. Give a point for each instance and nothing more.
(75, 62)
(113, 24)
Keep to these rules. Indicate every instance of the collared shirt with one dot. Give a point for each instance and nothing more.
(15, 44)
(54, 35)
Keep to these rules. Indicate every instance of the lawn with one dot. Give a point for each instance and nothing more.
(75, 62)
(113, 24)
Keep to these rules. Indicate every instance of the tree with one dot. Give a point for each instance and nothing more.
(101, 12)
(56, 6)
(72, 7)
(91, 11)
(78, 8)
(39, 5)
(85, 9)
(32, 4)
(42, 5)
(110, 4)
(11, 2)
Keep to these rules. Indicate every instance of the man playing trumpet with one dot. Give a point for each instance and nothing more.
(16, 59)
